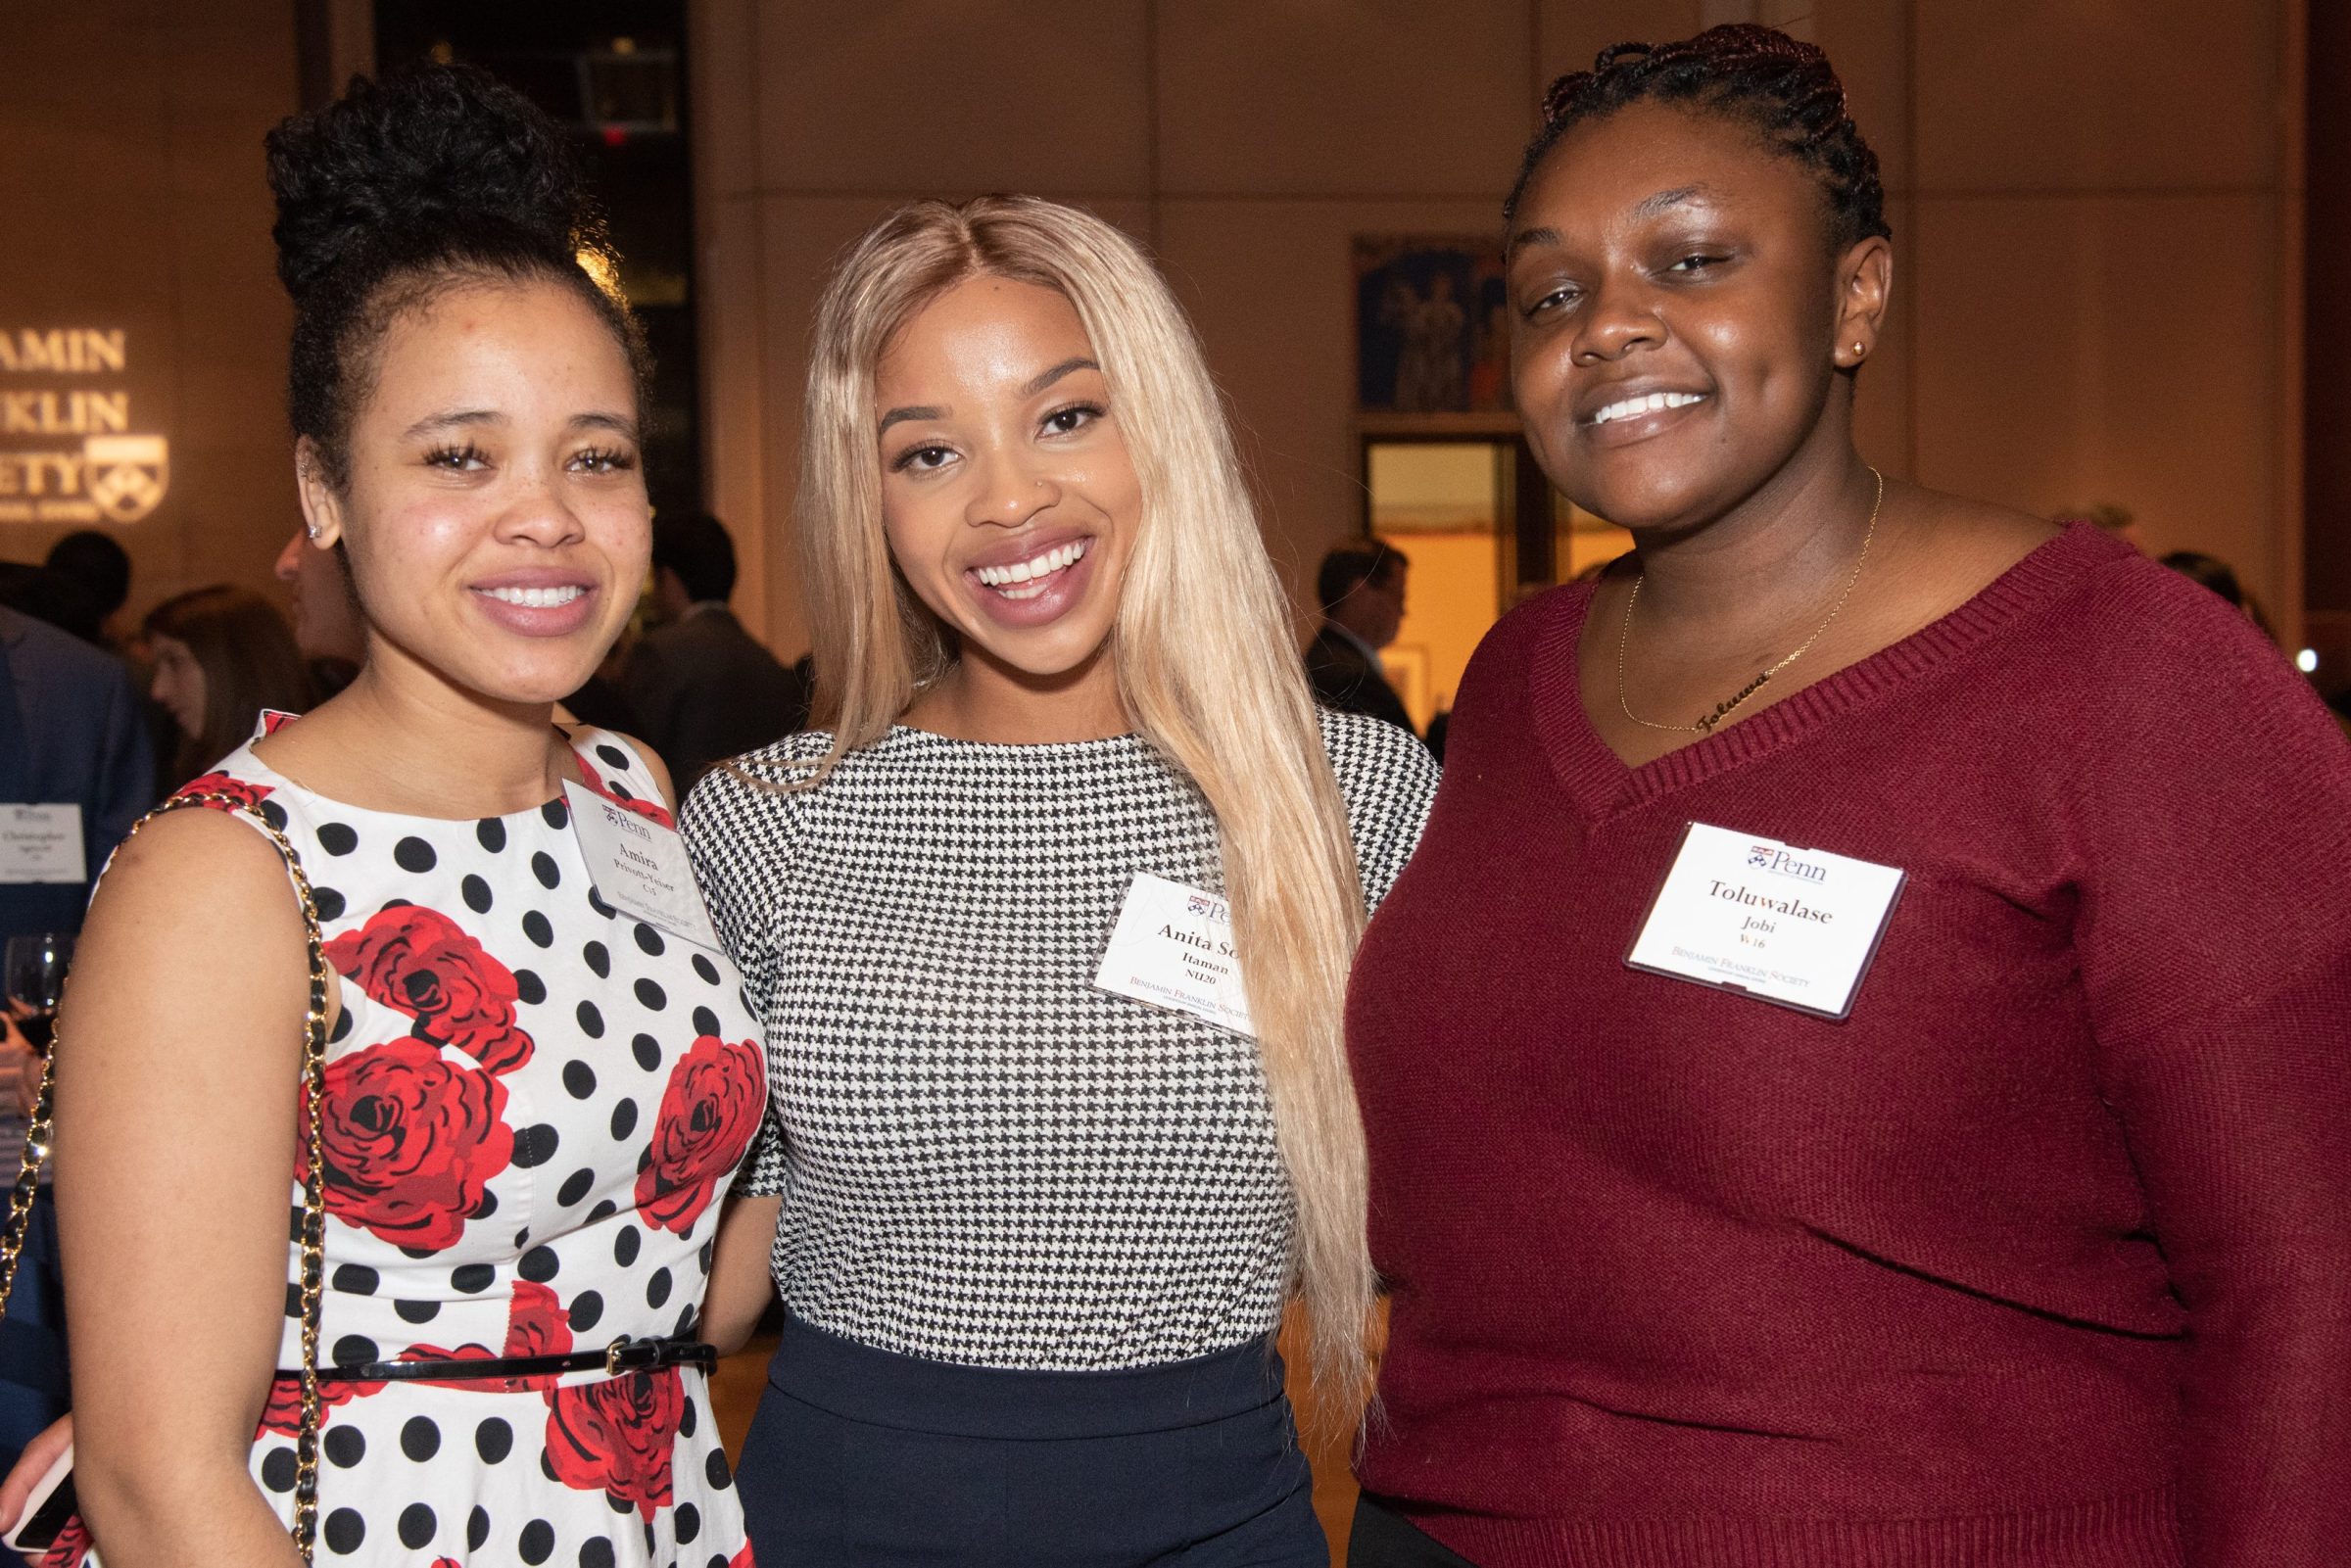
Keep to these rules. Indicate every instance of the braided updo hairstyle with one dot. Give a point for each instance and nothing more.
(1781, 87)
(405, 187)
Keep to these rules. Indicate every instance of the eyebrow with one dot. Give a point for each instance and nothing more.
(1066, 367)
(1531, 236)
(618, 424)
(898, 416)
(1652, 205)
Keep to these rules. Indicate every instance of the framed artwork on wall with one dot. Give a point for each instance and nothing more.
(1432, 327)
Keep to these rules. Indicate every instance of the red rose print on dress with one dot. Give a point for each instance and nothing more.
(616, 1435)
(248, 794)
(411, 1140)
(72, 1545)
(423, 963)
(742, 1558)
(536, 1325)
(709, 1113)
(283, 1413)
(652, 809)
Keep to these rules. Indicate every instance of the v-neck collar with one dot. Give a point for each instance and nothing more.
(1603, 785)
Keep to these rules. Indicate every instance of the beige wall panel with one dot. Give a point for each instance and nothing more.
(1341, 96)
(1574, 30)
(2058, 366)
(2097, 94)
(924, 95)
(1868, 41)
(1271, 287)
(734, 409)
(724, 84)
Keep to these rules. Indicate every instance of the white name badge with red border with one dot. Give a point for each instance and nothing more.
(1173, 948)
(639, 867)
(41, 844)
(1741, 912)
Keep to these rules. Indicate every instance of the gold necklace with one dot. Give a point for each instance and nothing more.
(1729, 704)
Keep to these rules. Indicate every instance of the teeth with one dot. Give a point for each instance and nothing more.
(536, 598)
(1632, 407)
(1005, 578)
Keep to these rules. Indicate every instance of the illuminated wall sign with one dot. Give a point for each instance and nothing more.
(70, 450)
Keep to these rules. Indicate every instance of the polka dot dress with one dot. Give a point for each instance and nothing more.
(534, 1107)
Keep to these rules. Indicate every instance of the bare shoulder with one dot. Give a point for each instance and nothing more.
(194, 880)
(1978, 538)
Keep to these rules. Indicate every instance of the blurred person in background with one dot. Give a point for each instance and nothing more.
(94, 570)
(1361, 588)
(701, 686)
(221, 657)
(327, 627)
(2220, 577)
(71, 735)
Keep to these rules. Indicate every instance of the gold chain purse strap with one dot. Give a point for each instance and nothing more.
(312, 1240)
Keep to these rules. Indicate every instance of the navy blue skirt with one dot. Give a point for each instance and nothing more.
(859, 1456)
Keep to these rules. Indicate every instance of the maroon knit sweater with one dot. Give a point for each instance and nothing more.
(2039, 1259)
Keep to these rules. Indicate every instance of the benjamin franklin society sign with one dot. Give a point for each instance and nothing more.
(69, 448)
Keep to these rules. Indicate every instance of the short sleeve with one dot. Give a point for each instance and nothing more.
(1388, 778)
(762, 1174)
(741, 827)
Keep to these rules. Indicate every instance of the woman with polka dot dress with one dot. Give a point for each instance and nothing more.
(535, 1103)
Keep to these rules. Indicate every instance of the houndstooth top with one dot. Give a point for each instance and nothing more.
(982, 1158)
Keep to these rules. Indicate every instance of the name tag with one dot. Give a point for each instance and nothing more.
(41, 844)
(1744, 913)
(639, 867)
(1173, 948)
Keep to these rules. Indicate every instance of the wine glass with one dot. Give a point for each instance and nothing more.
(34, 973)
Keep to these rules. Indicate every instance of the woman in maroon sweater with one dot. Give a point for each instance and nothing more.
(1941, 1156)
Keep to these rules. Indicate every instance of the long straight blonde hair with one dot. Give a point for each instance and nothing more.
(1202, 645)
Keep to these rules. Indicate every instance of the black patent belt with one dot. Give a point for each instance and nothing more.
(623, 1354)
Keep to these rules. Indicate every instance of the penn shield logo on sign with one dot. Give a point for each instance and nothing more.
(69, 451)
(1778, 861)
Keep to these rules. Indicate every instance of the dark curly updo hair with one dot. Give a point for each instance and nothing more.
(1781, 87)
(407, 186)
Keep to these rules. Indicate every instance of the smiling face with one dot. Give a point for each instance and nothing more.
(1679, 313)
(1007, 493)
(495, 517)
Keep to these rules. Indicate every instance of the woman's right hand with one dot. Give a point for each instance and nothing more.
(41, 1452)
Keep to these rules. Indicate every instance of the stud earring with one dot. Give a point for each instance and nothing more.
(1860, 350)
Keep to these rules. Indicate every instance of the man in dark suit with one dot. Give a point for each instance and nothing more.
(701, 686)
(1361, 590)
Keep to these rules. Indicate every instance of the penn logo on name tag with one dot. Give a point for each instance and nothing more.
(1173, 948)
(41, 843)
(1786, 925)
(639, 867)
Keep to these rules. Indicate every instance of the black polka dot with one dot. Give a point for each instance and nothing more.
(618, 1504)
(705, 1022)
(493, 1440)
(612, 755)
(538, 1265)
(686, 1422)
(293, 1298)
(702, 1255)
(416, 1311)
(599, 960)
(656, 1289)
(419, 1439)
(535, 1145)
(398, 903)
(356, 1279)
(624, 1119)
(586, 1309)
(471, 1278)
(342, 1028)
(330, 903)
(490, 833)
(535, 926)
(529, 987)
(475, 892)
(705, 968)
(600, 907)
(486, 1207)
(337, 838)
(596, 1552)
(687, 1319)
(576, 1187)
(715, 1470)
(651, 997)
(592, 1021)
(353, 1349)
(344, 1444)
(544, 867)
(417, 1526)
(538, 1542)
(418, 1252)
(556, 814)
(415, 854)
(648, 1052)
(686, 1521)
(344, 1531)
(605, 1209)
(650, 940)
(277, 1469)
(522, 1239)
(625, 1245)
(579, 1079)
(273, 814)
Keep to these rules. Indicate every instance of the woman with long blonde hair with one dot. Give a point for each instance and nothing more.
(1049, 928)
